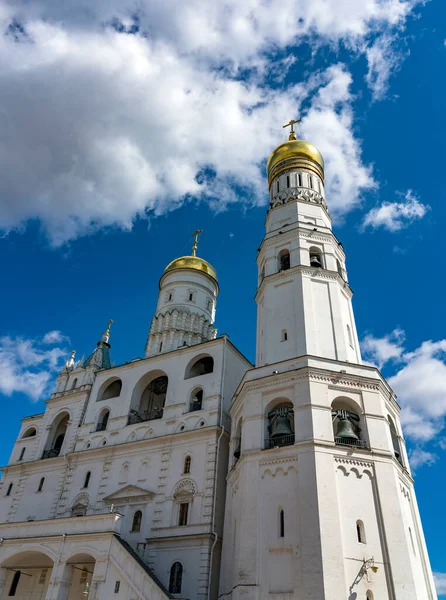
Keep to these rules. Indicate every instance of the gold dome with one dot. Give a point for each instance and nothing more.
(192, 262)
(296, 153)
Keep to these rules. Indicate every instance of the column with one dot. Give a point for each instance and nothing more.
(3, 578)
(60, 584)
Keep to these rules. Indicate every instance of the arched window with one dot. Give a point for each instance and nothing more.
(9, 490)
(369, 595)
(280, 430)
(112, 390)
(284, 335)
(360, 532)
(103, 420)
(183, 513)
(310, 181)
(176, 578)
(196, 401)
(57, 436)
(316, 258)
(136, 524)
(22, 453)
(15, 583)
(395, 441)
(31, 432)
(284, 260)
(339, 268)
(281, 524)
(74, 384)
(41, 482)
(87, 479)
(299, 179)
(151, 404)
(202, 366)
(349, 335)
(79, 510)
(187, 465)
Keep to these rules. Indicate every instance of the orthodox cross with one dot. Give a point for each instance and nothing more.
(291, 124)
(109, 324)
(195, 236)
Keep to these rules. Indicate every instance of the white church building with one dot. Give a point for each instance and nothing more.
(191, 473)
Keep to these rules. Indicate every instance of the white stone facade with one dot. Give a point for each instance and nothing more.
(192, 474)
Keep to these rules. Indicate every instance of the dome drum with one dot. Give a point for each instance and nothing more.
(293, 164)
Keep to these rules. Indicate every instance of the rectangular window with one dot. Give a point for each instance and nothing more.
(184, 509)
(310, 181)
(117, 586)
(288, 181)
(299, 179)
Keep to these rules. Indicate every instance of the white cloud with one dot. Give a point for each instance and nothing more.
(383, 60)
(27, 366)
(104, 126)
(394, 216)
(419, 383)
(440, 583)
(419, 457)
(378, 351)
(54, 337)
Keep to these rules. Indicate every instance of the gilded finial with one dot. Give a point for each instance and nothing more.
(70, 362)
(292, 132)
(195, 246)
(106, 334)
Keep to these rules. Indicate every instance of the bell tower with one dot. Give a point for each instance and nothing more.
(320, 500)
(303, 297)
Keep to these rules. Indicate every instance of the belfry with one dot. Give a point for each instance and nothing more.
(191, 473)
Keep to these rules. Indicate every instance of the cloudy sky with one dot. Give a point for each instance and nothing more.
(126, 125)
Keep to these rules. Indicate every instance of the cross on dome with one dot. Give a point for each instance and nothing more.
(292, 132)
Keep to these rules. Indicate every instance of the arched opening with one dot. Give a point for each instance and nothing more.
(202, 366)
(339, 269)
(57, 436)
(187, 465)
(284, 335)
(316, 258)
(151, 402)
(41, 482)
(369, 595)
(136, 523)
(284, 260)
(79, 572)
(79, 510)
(30, 432)
(27, 575)
(237, 444)
(280, 426)
(347, 423)
(196, 401)
(281, 523)
(74, 384)
(103, 420)
(87, 479)
(111, 390)
(395, 441)
(176, 578)
(22, 453)
(9, 490)
(360, 532)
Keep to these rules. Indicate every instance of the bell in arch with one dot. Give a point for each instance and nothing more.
(346, 428)
(280, 423)
(315, 261)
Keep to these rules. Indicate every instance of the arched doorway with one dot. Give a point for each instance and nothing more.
(26, 576)
(78, 572)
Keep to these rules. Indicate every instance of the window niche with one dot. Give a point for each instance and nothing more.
(196, 400)
(316, 258)
(137, 521)
(284, 260)
(176, 578)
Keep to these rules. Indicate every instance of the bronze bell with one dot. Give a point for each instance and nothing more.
(346, 429)
(315, 261)
(280, 425)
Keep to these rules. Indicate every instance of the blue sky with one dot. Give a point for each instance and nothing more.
(125, 128)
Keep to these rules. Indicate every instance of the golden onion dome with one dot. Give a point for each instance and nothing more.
(294, 154)
(192, 262)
